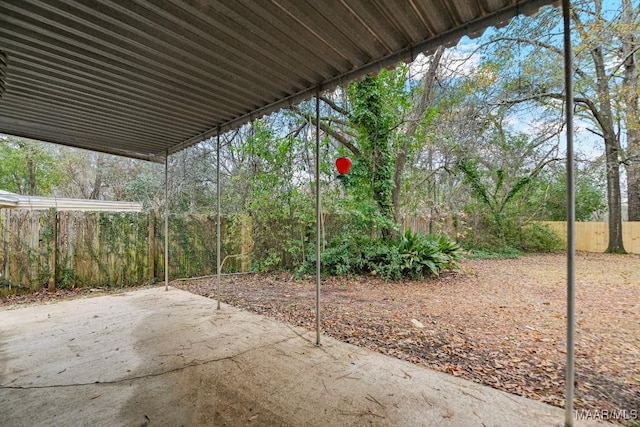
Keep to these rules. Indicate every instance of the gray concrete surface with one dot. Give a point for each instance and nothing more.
(156, 358)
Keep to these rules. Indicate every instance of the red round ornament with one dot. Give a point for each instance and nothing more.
(343, 164)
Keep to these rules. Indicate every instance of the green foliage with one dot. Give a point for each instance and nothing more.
(425, 255)
(117, 244)
(267, 188)
(351, 217)
(281, 229)
(498, 227)
(362, 256)
(483, 252)
(146, 187)
(192, 248)
(590, 192)
(67, 278)
(351, 256)
(412, 255)
(236, 242)
(373, 119)
(528, 238)
(539, 238)
(6, 287)
(473, 178)
(532, 237)
(28, 167)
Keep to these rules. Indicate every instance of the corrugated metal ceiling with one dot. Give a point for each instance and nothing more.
(141, 77)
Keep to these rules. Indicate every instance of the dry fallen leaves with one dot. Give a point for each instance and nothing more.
(498, 322)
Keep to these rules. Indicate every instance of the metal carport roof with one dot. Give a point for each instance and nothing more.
(145, 78)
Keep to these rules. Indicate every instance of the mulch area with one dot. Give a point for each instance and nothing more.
(496, 322)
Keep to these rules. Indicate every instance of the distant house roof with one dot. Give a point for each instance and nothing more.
(17, 201)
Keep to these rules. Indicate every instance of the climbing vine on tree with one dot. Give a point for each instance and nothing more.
(373, 121)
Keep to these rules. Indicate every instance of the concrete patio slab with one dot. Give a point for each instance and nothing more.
(156, 358)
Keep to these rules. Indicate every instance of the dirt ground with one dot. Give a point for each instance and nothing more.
(497, 322)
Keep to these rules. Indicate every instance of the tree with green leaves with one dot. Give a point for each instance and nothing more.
(265, 179)
(28, 167)
(550, 193)
(605, 83)
(499, 180)
(378, 122)
(373, 120)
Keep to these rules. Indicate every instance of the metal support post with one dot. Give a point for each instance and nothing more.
(318, 216)
(571, 218)
(218, 217)
(166, 220)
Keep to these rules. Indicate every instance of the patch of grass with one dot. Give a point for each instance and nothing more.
(492, 253)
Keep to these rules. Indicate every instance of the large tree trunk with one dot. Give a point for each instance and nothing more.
(604, 117)
(373, 126)
(31, 170)
(31, 188)
(631, 111)
(633, 189)
(415, 118)
(614, 199)
(612, 154)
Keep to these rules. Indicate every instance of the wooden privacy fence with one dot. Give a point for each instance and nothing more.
(594, 236)
(73, 248)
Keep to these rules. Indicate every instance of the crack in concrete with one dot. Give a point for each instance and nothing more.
(154, 374)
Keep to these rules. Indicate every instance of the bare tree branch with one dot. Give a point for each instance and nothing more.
(330, 131)
(543, 45)
(335, 106)
(415, 118)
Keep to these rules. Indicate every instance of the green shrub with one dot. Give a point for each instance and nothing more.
(528, 238)
(381, 257)
(539, 238)
(361, 255)
(413, 256)
(425, 255)
(340, 257)
(483, 252)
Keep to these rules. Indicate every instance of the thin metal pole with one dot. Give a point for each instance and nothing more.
(318, 215)
(218, 251)
(571, 218)
(166, 221)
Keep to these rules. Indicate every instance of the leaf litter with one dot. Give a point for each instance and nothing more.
(501, 323)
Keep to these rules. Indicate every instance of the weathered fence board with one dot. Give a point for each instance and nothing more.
(594, 236)
(42, 248)
(427, 225)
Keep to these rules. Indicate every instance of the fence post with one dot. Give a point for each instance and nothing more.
(151, 247)
(5, 219)
(246, 243)
(53, 267)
